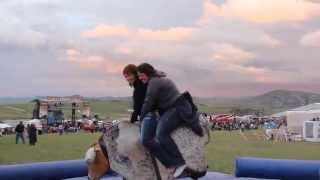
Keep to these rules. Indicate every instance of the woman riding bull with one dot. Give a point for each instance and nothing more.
(175, 110)
(130, 73)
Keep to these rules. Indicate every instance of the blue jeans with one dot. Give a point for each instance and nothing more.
(18, 136)
(155, 136)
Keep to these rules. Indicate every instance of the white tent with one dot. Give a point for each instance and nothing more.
(309, 107)
(36, 122)
(295, 119)
(3, 125)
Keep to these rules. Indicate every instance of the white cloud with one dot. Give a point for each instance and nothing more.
(106, 65)
(27, 38)
(311, 39)
(232, 44)
(270, 41)
(230, 54)
(103, 31)
(175, 34)
(262, 11)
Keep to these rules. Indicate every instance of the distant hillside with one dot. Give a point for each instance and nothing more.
(286, 99)
(21, 100)
(270, 102)
(15, 100)
(108, 98)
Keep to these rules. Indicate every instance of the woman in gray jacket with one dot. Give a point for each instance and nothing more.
(162, 96)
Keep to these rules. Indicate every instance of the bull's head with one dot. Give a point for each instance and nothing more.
(97, 160)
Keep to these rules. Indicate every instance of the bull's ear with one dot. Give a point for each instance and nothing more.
(93, 145)
(90, 155)
(97, 148)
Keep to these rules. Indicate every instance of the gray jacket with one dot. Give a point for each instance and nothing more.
(161, 94)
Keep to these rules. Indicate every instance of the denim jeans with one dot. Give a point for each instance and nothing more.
(155, 136)
(18, 136)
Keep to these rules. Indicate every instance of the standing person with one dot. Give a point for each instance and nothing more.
(32, 135)
(28, 131)
(60, 129)
(175, 110)
(92, 128)
(130, 73)
(19, 132)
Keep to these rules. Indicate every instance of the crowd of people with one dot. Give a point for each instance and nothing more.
(68, 127)
(232, 122)
(30, 132)
(61, 128)
(5, 131)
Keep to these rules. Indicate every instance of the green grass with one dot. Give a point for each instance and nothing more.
(110, 109)
(16, 111)
(214, 109)
(226, 146)
(49, 148)
(221, 151)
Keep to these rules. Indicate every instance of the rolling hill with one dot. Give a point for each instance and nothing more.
(271, 102)
(286, 99)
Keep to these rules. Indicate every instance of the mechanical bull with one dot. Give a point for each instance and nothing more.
(120, 149)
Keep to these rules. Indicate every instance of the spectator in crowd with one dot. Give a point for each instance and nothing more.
(242, 126)
(92, 128)
(28, 130)
(19, 132)
(32, 132)
(66, 127)
(60, 128)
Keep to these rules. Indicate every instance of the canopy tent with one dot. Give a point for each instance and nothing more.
(295, 119)
(3, 126)
(36, 122)
(309, 107)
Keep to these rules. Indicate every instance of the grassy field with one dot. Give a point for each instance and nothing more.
(49, 148)
(226, 146)
(16, 111)
(221, 152)
(111, 109)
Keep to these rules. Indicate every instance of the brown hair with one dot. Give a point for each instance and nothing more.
(130, 69)
(147, 69)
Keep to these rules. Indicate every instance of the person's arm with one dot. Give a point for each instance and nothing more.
(151, 95)
(138, 99)
(137, 108)
(134, 115)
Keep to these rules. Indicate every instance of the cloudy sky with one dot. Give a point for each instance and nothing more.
(209, 47)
